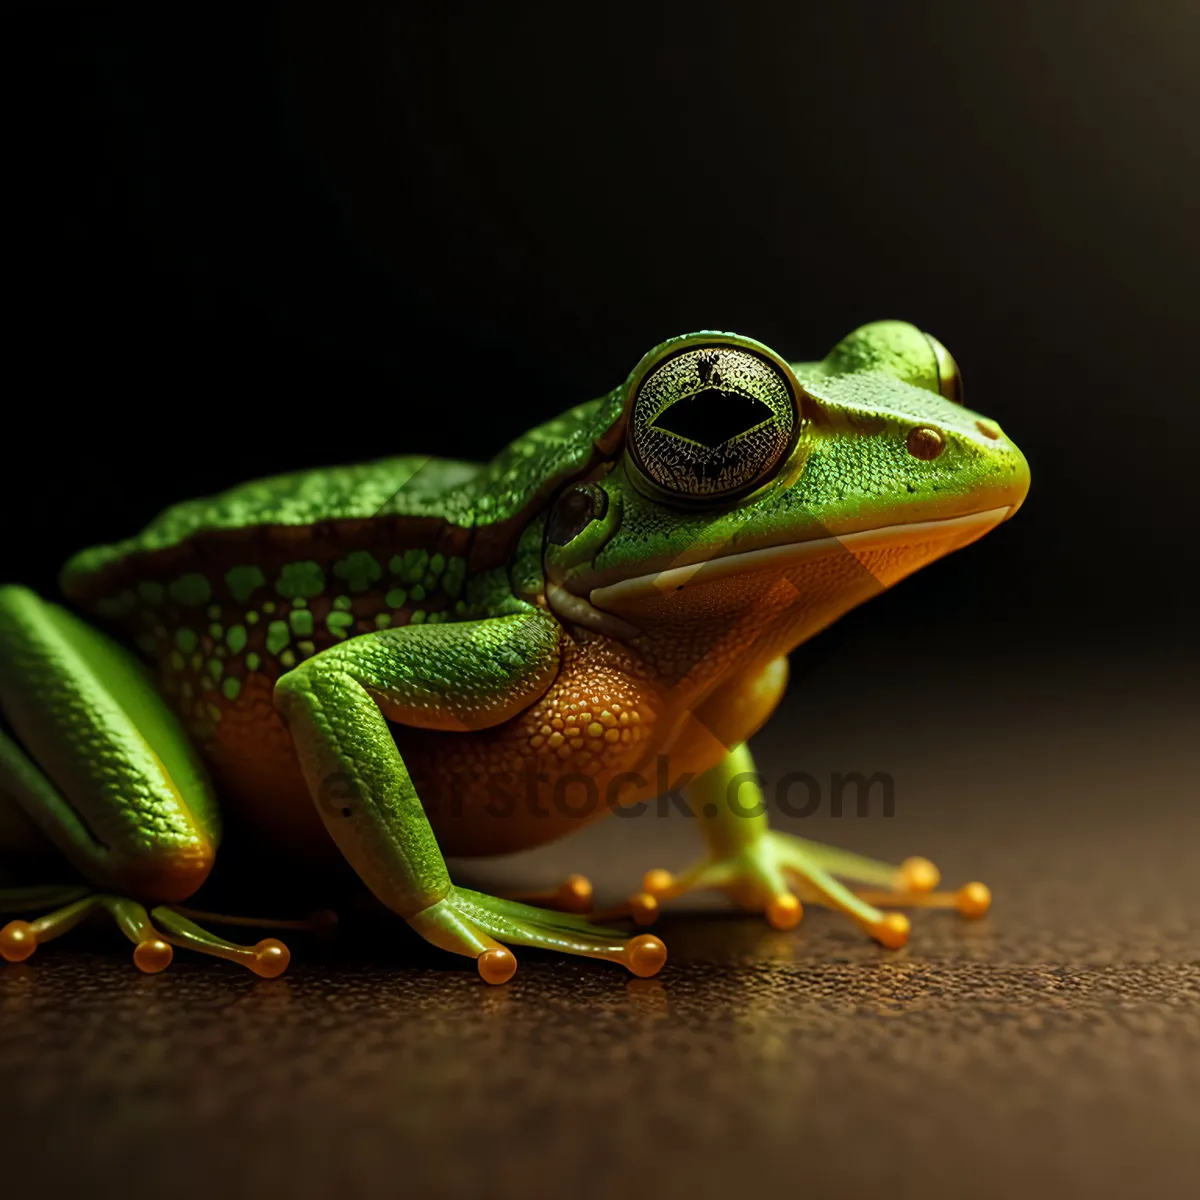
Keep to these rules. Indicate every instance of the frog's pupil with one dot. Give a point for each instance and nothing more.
(712, 416)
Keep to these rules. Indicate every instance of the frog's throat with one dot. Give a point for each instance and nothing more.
(596, 611)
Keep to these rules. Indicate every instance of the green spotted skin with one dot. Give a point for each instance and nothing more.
(234, 590)
(210, 631)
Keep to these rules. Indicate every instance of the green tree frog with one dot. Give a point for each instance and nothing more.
(415, 657)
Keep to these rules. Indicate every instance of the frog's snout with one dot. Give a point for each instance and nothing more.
(1017, 487)
(995, 471)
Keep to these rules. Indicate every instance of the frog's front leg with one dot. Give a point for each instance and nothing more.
(766, 870)
(462, 677)
(99, 769)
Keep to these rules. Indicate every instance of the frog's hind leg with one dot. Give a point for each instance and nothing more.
(96, 760)
(62, 906)
(98, 768)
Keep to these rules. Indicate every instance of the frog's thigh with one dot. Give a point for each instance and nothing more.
(96, 760)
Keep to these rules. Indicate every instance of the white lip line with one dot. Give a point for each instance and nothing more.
(791, 552)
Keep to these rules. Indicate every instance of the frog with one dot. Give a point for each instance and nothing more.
(387, 663)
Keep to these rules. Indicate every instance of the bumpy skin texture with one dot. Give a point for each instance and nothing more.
(522, 782)
(415, 656)
(144, 819)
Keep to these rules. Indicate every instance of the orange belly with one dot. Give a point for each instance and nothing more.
(605, 735)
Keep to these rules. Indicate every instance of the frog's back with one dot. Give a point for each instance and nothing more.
(248, 582)
(291, 562)
(225, 594)
(411, 486)
(405, 502)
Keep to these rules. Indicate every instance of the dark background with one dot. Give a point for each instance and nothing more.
(248, 239)
(282, 236)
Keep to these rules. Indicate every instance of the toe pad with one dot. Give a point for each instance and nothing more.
(18, 940)
(645, 955)
(497, 965)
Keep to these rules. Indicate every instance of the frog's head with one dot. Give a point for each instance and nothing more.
(759, 499)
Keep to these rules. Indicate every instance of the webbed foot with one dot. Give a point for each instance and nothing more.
(777, 873)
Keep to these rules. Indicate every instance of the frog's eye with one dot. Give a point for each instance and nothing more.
(949, 376)
(712, 420)
(574, 511)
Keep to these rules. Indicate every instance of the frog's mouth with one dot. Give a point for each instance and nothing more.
(880, 557)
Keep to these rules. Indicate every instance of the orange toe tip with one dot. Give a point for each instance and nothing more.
(973, 899)
(497, 965)
(643, 908)
(271, 958)
(18, 940)
(892, 932)
(152, 956)
(919, 875)
(645, 955)
(784, 912)
(657, 882)
(575, 895)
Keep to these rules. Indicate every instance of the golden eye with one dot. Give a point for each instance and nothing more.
(712, 419)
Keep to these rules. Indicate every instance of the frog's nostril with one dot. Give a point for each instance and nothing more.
(925, 443)
(989, 429)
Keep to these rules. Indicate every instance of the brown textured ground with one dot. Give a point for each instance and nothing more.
(1052, 1049)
